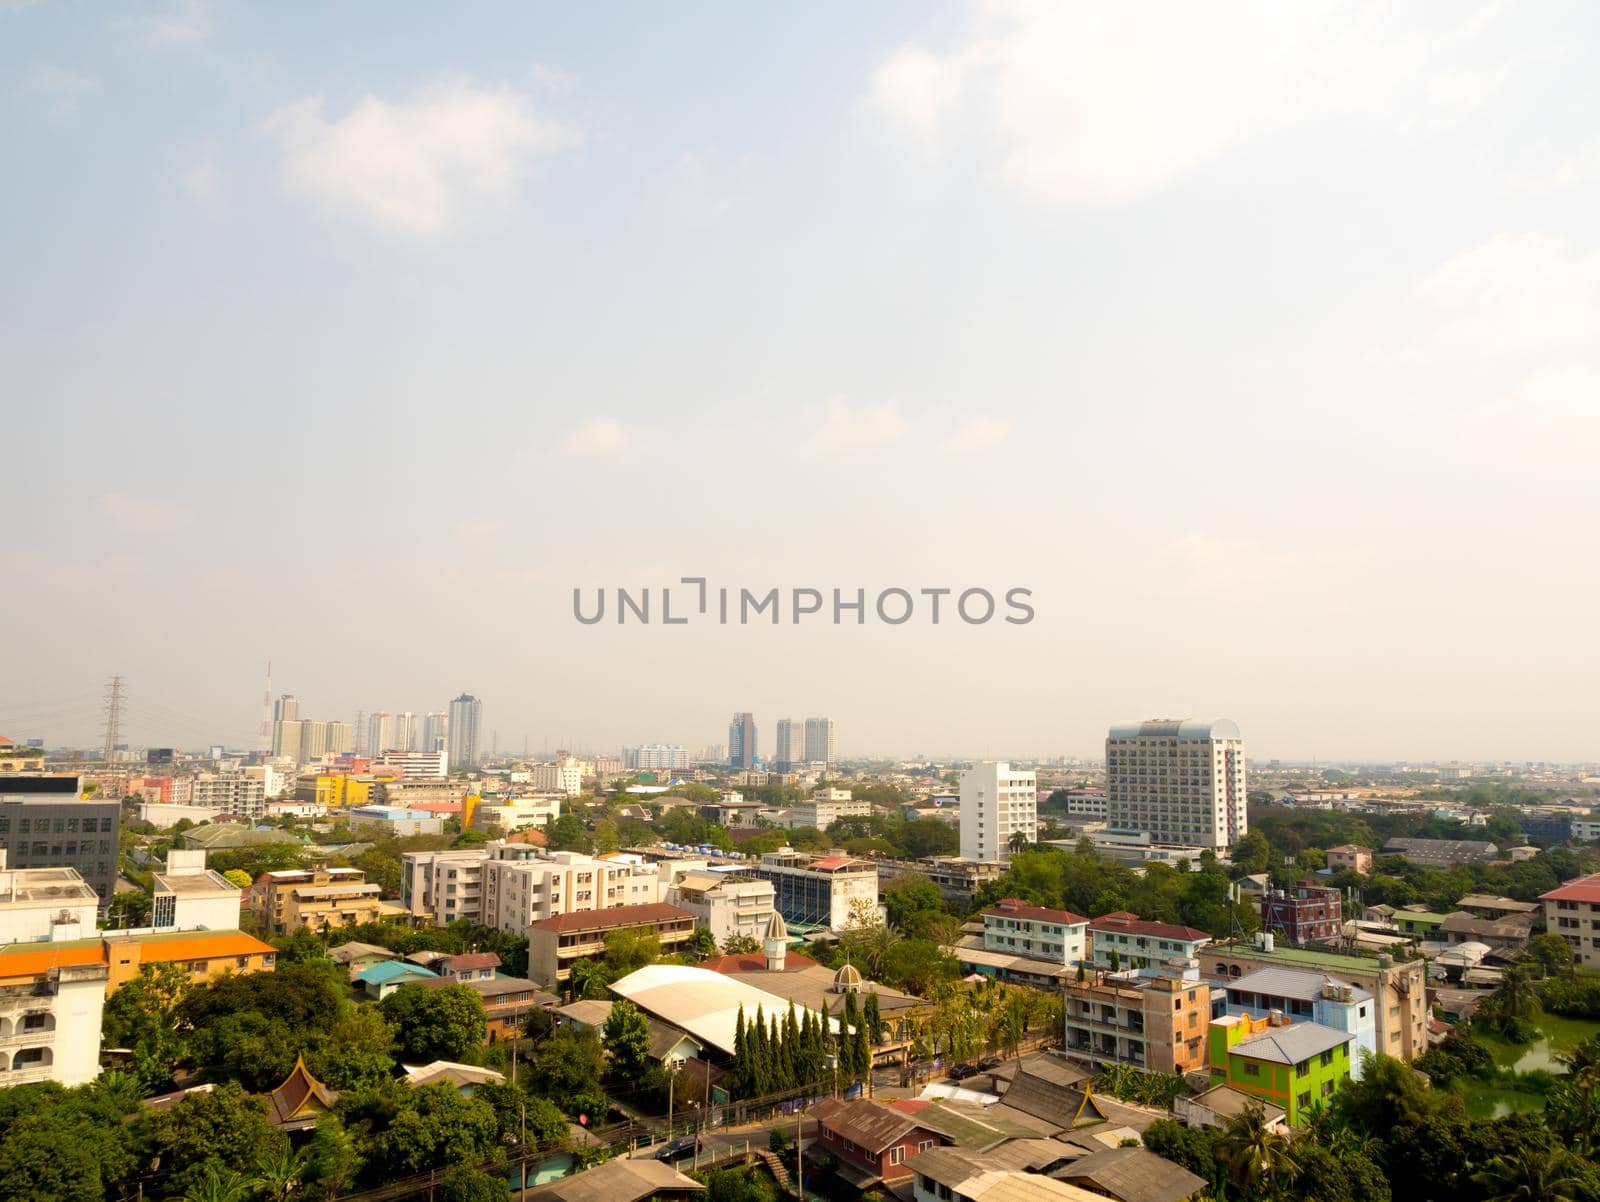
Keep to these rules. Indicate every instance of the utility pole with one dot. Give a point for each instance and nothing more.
(113, 718)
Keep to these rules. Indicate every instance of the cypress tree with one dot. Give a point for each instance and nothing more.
(874, 1019)
(848, 1067)
(741, 1057)
(863, 1053)
(760, 1062)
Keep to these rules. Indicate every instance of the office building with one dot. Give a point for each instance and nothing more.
(436, 731)
(819, 741)
(997, 804)
(422, 764)
(742, 749)
(1154, 1021)
(790, 749)
(62, 830)
(1180, 782)
(464, 728)
(819, 891)
(1573, 912)
(655, 757)
(724, 904)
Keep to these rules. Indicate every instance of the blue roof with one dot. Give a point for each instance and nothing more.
(391, 970)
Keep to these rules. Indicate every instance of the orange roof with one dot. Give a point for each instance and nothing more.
(33, 963)
(203, 945)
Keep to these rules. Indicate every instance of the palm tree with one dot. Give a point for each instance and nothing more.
(1257, 1154)
(1516, 997)
(218, 1185)
(120, 1089)
(1018, 842)
(281, 1174)
(1531, 1175)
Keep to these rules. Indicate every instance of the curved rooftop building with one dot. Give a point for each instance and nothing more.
(1179, 780)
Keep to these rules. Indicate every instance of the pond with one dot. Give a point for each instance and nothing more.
(1557, 1035)
(1493, 1102)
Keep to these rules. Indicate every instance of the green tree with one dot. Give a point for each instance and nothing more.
(566, 1067)
(335, 1156)
(1256, 1156)
(218, 1183)
(627, 1039)
(702, 944)
(280, 1173)
(445, 1023)
(208, 1132)
(1530, 1175)
(467, 1184)
(143, 1015)
(1552, 953)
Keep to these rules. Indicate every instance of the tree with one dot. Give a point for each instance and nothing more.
(627, 1039)
(280, 1173)
(736, 945)
(702, 944)
(218, 1183)
(566, 1067)
(1257, 1156)
(143, 1015)
(1530, 1175)
(446, 1023)
(335, 1156)
(1552, 953)
(908, 896)
(467, 1184)
(1018, 842)
(238, 878)
(209, 1132)
(413, 1130)
(59, 1145)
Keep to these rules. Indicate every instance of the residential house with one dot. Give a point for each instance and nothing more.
(1350, 857)
(1290, 1065)
(1307, 913)
(1305, 996)
(871, 1142)
(1138, 943)
(1154, 1020)
(1132, 1175)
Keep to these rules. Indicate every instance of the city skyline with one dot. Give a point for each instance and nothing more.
(1261, 346)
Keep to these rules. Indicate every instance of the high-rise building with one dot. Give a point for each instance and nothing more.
(791, 745)
(819, 741)
(286, 738)
(1180, 782)
(286, 708)
(380, 732)
(996, 805)
(466, 731)
(313, 741)
(655, 757)
(742, 749)
(435, 732)
(46, 827)
(340, 737)
(405, 732)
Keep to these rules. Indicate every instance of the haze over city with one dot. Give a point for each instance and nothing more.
(1263, 346)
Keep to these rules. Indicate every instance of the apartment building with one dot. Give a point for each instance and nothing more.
(242, 793)
(1303, 996)
(563, 776)
(997, 803)
(430, 763)
(317, 899)
(1399, 990)
(826, 806)
(1307, 913)
(655, 757)
(555, 944)
(1292, 1066)
(790, 751)
(724, 904)
(812, 891)
(1139, 943)
(1573, 912)
(186, 895)
(522, 889)
(1154, 1020)
(1015, 928)
(819, 744)
(442, 886)
(1182, 782)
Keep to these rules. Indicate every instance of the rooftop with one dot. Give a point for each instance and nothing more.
(1134, 1175)
(1291, 983)
(872, 1125)
(611, 918)
(1012, 907)
(705, 1004)
(1291, 1044)
(1122, 922)
(1583, 889)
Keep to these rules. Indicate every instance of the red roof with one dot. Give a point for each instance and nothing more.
(793, 961)
(829, 863)
(1015, 907)
(470, 960)
(1583, 889)
(1121, 922)
(611, 917)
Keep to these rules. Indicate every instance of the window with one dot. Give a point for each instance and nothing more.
(897, 1155)
(1251, 1069)
(925, 1144)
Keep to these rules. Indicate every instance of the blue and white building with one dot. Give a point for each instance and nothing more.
(1309, 997)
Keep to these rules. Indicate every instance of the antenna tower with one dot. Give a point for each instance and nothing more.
(266, 715)
(113, 718)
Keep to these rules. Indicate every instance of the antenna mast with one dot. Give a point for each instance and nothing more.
(266, 715)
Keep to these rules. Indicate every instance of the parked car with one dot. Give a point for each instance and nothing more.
(676, 1149)
(961, 1072)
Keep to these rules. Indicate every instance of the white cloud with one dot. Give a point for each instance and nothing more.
(142, 515)
(1102, 102)
(205, 185)
(1233, 570)
(1515, 292)
(848, 428)
(977, 434)
(597, 436)
(170, 26)
(60, 87)
(416, 167)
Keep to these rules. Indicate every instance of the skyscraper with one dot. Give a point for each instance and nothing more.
(286, 738)
(742, 750)
(286, 708)
(819, 741)
(380, 732)
(466, 730)
(996, 804)
(1181, 782)
(435, 731)
(405, 731)
(790, 749)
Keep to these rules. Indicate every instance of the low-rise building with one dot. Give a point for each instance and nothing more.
(394, 822)
(187, 895)
(819, 890)
(51, 826)
(1289, 1065)
(555, 944)
(1573, 912)
(1350, 857)
(826, 806)
(515, 813)
(725, 905)
(1303, 996)
(317, 899)
(1305, 914)
(1139, 943)
(871, 1142)
(1153, 1020)
(1441, 853)
(1035, 932)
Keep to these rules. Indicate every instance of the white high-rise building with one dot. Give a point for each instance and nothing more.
(380, 732)
(465, 733)
(405, 732)
(653, 757)
(1180, 782)
(791, 748)
(997, 803)
(436, 731)
(819, 741)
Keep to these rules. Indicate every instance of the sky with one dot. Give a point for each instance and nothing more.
(1261, 342)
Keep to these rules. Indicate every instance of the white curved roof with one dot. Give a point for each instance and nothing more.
(703, 1003)
(1178, 728)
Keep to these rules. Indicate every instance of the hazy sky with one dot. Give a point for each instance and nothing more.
(1261, 342)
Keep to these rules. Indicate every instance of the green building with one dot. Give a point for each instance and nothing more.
(1290, 1065)
(1419, 924)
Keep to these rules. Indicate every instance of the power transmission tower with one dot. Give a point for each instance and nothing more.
(113, 718)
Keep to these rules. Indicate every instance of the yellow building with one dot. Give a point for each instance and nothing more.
(343, 792)
(318, 900)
